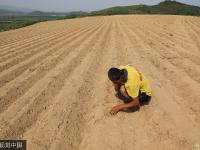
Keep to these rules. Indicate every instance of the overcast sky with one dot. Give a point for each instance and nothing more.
(76, 5)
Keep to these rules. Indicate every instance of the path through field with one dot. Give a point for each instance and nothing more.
(54, 90)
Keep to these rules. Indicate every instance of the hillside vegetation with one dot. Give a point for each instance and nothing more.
(165, 7)
(16, 19)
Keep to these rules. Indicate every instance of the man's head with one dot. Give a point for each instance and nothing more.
(115, 74)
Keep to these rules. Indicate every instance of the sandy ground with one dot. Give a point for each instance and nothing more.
(54, 90)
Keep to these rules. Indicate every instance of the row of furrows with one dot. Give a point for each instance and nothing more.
(166, 31)
(8, 95)
(39, 29)
(169, 71)
(16, 70)
(52, 88)
(192, 33)
(192, 24)
(195, 22)
(14, 36)
(71, 129)
(37, 42)
(156, 51)
(24, 31)
(105, 100)
(172, 54)
(148, 113)
(169, 38)
(148, 57)
(196, 30)
(186, 44)
(182, 23)
(38, 60)
(123, 58)
(35, 50)
(175, 56)
(132, 56)
(169, 32)
(121, 48)
(26, 41)
(175, 32)
(21, 45)
(44, 40)
(179, 57)
(183, 41)
(48, 33)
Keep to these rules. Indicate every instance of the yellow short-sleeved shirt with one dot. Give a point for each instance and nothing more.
(134, 84)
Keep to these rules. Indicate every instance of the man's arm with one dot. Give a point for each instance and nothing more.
(134, 102)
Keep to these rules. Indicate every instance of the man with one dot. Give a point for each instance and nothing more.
(132, 88)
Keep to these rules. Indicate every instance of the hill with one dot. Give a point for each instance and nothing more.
(165, 7)
(4, 12)
(9, 12)
(41, 13)
(12, 18)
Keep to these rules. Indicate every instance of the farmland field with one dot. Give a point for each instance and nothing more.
(54, 90)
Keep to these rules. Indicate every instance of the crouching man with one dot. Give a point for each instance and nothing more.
(131, 86)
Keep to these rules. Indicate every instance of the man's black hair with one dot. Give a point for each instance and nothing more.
(114, 74)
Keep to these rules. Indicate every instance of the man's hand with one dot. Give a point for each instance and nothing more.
(115, 110)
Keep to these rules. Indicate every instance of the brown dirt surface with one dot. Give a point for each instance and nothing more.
(54, 90)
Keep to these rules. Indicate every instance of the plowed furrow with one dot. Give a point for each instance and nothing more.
(51, 90)
(193, 35)
(22, 45)
(171, 43)
(76, 119)
(170, 54)
(16, 70)
(38, 31)
(35, 41)
(13, 93)
(26, 53)
(175, 55)
(174, 106)
(171, 72)
(97, 120)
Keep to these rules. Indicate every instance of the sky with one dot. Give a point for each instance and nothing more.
(80, 5)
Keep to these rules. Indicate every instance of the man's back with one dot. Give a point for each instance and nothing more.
(136, 82)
